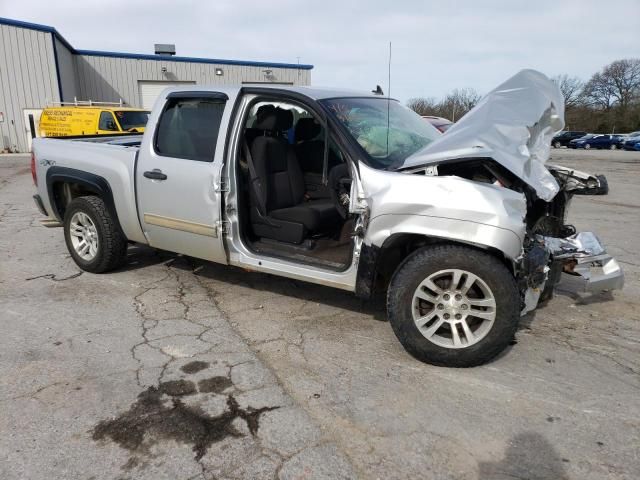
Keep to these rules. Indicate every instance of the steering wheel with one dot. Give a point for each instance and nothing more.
(340, 188)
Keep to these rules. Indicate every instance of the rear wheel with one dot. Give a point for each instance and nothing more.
(587, 146)
(613, 147)
(93, 238)
(453, 306)
(557, 145)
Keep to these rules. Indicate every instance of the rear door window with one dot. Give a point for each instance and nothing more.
(188, 128)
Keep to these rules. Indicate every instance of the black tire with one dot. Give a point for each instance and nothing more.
(428, 260)
(112, 244)
(557, 145)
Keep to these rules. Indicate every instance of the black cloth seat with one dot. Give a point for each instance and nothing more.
(278, 207)
(310, 152)
(314, 214)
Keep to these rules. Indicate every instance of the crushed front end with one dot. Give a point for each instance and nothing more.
(553, 247)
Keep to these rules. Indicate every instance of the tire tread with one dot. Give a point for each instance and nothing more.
(113, 248)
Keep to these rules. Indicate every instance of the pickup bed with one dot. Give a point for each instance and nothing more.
(463, 232)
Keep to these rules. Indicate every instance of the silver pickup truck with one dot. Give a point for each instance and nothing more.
(463, 232)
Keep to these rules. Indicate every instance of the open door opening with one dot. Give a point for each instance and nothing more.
(294, 185)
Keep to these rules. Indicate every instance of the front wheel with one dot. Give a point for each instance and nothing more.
(453, 306)
(93, 237)
(587, 146)
(557, 145)
(613, 147)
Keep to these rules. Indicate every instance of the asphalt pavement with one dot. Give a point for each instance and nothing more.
(177, 368)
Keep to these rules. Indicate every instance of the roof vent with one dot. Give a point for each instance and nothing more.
(165, 49)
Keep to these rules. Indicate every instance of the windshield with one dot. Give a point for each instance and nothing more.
(131, 119)
(367, 119)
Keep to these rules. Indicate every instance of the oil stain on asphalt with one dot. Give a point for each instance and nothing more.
(194, 367)
(159, 413)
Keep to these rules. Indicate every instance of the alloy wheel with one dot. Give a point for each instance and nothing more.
(454, 308)
(84, 236)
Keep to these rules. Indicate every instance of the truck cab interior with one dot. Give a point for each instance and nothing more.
(294, 187)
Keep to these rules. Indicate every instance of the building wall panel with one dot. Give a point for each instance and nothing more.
(27, 80)
(109, 79)
(67, 72)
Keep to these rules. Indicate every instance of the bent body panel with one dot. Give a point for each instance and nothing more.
(444, 207)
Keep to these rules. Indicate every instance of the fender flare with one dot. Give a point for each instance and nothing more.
(90, 181)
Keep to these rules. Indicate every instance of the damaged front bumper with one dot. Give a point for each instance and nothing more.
(580, 255)
(583, 255)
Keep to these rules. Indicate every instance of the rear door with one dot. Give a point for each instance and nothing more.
(178, 172)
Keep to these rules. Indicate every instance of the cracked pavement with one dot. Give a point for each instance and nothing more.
(177, 368)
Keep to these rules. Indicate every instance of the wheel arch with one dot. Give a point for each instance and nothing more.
(378, 263)
(65, 184)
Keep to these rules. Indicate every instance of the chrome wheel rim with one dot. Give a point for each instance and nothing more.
(453, 308)
(84, 236)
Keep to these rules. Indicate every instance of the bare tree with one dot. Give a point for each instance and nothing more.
(624, 78)
(453, 106)
(423, 106)
(617, 83)
(608, 102)
(571, 88)
(465, 99)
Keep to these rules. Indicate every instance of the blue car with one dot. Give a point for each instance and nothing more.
(631, 142)
(610, 142)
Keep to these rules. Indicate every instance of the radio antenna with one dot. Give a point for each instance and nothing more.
(388, 97)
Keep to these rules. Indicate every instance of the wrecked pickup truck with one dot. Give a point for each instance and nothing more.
(465, 232)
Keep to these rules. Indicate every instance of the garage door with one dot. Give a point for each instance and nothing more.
(149, 91)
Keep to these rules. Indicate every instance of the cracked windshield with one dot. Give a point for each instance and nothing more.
(387, 131)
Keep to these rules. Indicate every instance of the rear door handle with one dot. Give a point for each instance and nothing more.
(155, 174)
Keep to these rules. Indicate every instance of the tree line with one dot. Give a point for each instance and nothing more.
(609, 102)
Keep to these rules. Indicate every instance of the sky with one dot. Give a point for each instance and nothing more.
(436, 45)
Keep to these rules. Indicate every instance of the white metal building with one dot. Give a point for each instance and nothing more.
(39, 67)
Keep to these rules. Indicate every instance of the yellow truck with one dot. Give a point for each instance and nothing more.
(79, 120)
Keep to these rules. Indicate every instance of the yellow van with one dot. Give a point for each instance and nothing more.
(72, 120)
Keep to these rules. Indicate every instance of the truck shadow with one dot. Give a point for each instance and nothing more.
(140, 256)
(529, 456)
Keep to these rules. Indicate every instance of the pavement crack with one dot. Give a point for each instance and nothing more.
(54, 277)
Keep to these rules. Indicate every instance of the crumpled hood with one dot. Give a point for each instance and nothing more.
(513, 124)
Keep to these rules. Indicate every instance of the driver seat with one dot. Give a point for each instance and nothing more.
(278, 207)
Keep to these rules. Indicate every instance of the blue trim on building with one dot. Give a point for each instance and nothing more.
(57, 65)
(139, 56)
(170, 58)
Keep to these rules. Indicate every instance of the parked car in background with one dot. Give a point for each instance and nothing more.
(563, 138)
(632, 142)
(440, 123)
(82, 120)
(609, 142)
(628, 142)
(574, 143)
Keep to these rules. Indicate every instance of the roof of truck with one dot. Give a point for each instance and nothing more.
(316, 93)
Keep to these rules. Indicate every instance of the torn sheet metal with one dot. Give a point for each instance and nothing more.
(584, 255)
(513, 124)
